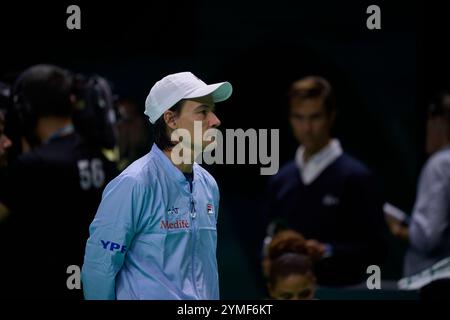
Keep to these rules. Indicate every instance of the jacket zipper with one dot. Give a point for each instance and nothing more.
(193, 214)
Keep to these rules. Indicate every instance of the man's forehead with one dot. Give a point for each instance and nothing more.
(307, 105)
(303, 84)
(207, 98)
(196, 102)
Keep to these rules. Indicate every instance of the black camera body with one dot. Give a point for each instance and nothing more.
(94, 111)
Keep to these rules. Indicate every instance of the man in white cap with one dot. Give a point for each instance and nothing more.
(154, 235)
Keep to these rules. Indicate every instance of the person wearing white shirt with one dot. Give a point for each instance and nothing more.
(325, 194)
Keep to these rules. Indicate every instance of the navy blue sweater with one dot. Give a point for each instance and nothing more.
(341, 207)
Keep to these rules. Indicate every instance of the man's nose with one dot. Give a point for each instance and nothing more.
(214, 121)
(307, 126)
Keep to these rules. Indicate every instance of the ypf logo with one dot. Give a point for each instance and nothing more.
(112, 246)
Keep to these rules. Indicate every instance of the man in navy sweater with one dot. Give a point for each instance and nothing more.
(325, 194)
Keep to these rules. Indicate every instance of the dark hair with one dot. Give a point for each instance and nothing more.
(160, 132)
(288, 255)
(313, 87)
(290, 264)
(439, 105)
(44, 90)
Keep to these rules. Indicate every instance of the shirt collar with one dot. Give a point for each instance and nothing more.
(64, 131)
(310, 170)
(167, 165)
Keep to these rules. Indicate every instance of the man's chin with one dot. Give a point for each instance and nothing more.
(197, 149)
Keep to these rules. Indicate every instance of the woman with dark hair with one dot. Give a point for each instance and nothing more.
(289, 267)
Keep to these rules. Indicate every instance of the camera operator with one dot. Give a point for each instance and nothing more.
(54, 187)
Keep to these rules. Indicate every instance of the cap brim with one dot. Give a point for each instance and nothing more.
(219, 91)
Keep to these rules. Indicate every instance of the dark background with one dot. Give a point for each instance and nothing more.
(382, 79)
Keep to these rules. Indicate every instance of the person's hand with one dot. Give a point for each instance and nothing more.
(397, 228)
(315, 248)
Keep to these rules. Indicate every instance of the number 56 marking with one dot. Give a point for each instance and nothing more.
(91, 173)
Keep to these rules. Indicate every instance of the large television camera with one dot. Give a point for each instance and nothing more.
(94, 111)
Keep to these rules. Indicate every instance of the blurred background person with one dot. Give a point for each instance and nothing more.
(288, 267)
(53, 188)
(428, 232)
(5, 144)
(325, 194)
(133, 132)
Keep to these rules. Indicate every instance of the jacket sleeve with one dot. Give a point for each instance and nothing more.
(430, 217)
(111, 234)
(216, 196)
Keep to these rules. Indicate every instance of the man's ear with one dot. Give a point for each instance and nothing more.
(170, 119)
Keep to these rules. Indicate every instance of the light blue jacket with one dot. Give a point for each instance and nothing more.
(151, 237)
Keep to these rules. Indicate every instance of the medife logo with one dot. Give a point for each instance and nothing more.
(178, 224)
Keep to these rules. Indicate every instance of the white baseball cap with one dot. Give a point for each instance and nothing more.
(183, 85)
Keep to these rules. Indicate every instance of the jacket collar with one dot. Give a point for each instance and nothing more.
(169, 168)
(310, 170)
